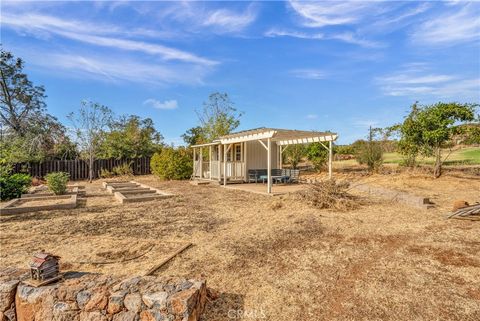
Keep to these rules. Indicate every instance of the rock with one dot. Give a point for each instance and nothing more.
(133, 302)
(157, 300)
(115, 302)
(125, 316)
(98, 301)
(92, 316)
(82, 298)
(458, 204)
(153, 315)
(90, 297)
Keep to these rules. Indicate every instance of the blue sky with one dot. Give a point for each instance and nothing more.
(329, 65)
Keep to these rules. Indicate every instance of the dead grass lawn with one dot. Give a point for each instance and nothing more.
(276, 258)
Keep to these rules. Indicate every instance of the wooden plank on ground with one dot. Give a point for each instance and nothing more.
(165, 261)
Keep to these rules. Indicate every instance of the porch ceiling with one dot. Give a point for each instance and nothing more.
(281, 136)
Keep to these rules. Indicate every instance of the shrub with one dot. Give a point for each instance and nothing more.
(57, 182)
(172, 163)
(318, 155)
(369, 153)
(124, 169)
(105, 173)
(13, 186)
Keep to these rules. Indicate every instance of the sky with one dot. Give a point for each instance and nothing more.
(327, 65)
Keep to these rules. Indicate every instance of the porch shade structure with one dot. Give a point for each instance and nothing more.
(272, 140)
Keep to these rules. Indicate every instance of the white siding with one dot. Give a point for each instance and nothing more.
(257, 155)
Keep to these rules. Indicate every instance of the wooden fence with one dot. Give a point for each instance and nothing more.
(78, 169)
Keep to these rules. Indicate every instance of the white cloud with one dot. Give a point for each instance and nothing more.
(315, 74)
(417, 83)
(327, 13)
(347, 37)
(167, 104)
(312, 116)
(365, 123)
(462, 25)
(229, 21)
(114, 69)
(87, 33)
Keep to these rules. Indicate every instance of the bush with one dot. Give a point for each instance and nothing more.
(318, 155)
(329, 194)
(369, 153)
(57, 182)
(13, 186)
(172, 163)
(105, 173)
(124, 169)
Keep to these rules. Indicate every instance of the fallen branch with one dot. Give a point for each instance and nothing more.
(165, 261)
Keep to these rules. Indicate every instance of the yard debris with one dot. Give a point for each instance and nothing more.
(165, 261)
(470, 210)
(329, 194)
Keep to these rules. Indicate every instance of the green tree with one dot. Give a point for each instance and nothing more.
(218, 116)
(91, 121)
(194, 135)
(318, 155)
(429, 129)
(294, 154)
(130, 137)
(172, 163)
(27, 132)
(369, 152)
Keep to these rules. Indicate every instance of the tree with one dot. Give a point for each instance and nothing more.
(130, 137)
(28, 133)
(218, 117)
(294, 154)
(428, 129)
(194, 135)
(21, 103)
(318, 155)
(90, 123)
(369, 152)
(172, 163)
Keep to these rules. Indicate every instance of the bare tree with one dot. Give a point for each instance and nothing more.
(90, 123)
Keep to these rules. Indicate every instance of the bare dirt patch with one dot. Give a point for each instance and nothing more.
(277, 258)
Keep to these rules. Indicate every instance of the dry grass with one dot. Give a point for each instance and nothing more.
(279, 257)
(329, 194)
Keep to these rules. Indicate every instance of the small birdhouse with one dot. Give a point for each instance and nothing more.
(44, 266)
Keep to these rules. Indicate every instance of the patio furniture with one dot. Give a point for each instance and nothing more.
(254, 175)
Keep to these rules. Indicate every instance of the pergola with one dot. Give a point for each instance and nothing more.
(266, 136)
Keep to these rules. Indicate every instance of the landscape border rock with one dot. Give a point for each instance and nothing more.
(92, 297)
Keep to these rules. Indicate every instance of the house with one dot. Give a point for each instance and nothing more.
(231, 157)
(44, 266)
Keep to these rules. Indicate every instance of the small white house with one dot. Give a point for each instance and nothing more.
(260, 148)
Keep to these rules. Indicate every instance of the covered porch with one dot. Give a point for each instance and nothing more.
(231, 158)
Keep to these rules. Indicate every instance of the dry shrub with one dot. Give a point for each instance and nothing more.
(276, 205)
(329, 194)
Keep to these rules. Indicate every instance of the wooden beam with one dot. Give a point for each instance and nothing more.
(220, 163)
(263, 144)
(194, 162)
(210, 160)
(330, 154)
(269, 166)
(201, 162)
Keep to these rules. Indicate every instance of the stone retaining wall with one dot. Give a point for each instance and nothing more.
(96, 297)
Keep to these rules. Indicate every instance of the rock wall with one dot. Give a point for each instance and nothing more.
(96, 297)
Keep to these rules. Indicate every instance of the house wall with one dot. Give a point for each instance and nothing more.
(257, 155)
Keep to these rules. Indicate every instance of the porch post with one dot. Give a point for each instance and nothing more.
(269, 165)
(194, 162)
(225, 166)
(201, 162)
(220, 162)
(210, 162)
(245, 171)
(330, 159)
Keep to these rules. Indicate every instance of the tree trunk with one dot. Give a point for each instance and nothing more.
(90, 168)
(437, 171)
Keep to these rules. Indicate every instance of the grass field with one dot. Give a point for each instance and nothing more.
(464, 156)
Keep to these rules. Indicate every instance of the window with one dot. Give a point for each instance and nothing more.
(238, 153)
